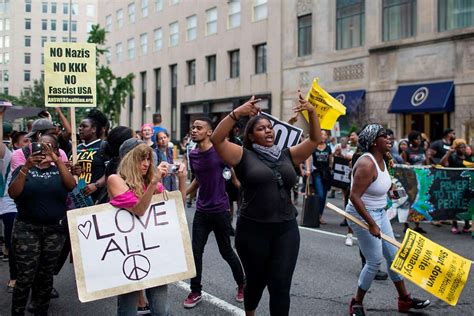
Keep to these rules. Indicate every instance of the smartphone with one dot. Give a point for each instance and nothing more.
(36, 148)
(398, 193)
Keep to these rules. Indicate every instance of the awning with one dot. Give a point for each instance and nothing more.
(432, 97)
(350, 99)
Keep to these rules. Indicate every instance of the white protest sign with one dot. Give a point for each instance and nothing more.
(70, 74)
(116, 252)
(286, 135)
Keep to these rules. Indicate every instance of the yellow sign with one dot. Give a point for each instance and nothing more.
(434, 268)
(70, 74)
(328, 108)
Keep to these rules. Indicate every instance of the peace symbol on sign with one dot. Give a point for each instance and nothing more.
(136, 267)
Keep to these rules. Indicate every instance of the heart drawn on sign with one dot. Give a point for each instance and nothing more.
(85, 228)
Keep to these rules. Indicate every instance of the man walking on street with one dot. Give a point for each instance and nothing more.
(212, 209)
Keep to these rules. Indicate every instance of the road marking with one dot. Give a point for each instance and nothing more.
(233, 310)
(325, 232)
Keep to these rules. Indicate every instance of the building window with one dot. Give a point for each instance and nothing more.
(73, 39)
(7, 41)
(27, 41)
(143, 96)
(1, 26)
(158, 90)
(211, 68)
(52, 39)
(74, 9)
(27, 24)
(399, 19)
(27, 58)
(90, 9)
(65, 39)
(119, 18)
(27, 5)
(234, 14)
(174, 34)
(119, 52)
(65, 8)
(6, 77)
(350, 23)
(455, 14)
(7, 24)
(6, 58)
(42, 58)
(174, 2)
(234, 58)
(108, 55)
(27, 75)
(260, 10)
(44, 7)
(191, 72)
(44, 39)
(261, 58)
(211, 21)
(44, 25)
(144, 8)
(89, 26)
(131, 48)
(158, 5)
(304, 35)
(144, 43)
(158, 39)
(54, 7)
(191, 28)
(108, 23)
(65, 25)
(130, 109)
(53, 25)
(174, 100)
(74, 26)
(131, 13)
(1, 41)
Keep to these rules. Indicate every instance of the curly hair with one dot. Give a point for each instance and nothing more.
(129, 169)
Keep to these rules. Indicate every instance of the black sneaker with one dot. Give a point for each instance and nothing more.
(31, 308)
(54, 293)
(420, 230)
(404, 305)
(145, 310)
(356, 308)
(381, 276)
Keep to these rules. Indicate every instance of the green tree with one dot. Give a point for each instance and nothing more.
(35, 95)
(111, 90)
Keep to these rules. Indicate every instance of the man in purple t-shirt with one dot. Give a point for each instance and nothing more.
(212, 209)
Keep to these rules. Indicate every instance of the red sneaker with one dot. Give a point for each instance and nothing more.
(356, 308)
(240, 294)
(404, 305)
(192, 300)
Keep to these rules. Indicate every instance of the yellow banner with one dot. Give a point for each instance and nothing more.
(432, 267)
(328, 108)
(70, 74)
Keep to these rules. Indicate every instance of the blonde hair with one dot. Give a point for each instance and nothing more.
(129, 169)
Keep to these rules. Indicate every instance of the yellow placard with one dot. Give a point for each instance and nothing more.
(328, 108)
(70, 74)
(432, 267)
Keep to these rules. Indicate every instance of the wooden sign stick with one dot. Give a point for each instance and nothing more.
(73, 135)
(361, 224)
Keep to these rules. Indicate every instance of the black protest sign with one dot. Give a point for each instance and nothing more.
(286, 135)
(342, 173)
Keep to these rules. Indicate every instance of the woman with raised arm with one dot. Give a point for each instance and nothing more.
(267, 236)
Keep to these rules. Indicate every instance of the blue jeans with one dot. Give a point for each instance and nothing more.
(374, 249)
(157, 299)
(320, 189)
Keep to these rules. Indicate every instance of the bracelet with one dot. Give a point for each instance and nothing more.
(22, 172)
(232, 116)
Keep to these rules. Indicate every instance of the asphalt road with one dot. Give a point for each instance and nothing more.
(324, 281)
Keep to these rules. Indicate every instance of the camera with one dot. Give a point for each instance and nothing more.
(173, 168)
(36, 148)
(398, 194)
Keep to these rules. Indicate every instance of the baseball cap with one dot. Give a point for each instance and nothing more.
(128, 145)
(40, 125)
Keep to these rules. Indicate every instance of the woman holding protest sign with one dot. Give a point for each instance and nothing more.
(39, 188)
(132, 188)
(267, 236)
(370, 184)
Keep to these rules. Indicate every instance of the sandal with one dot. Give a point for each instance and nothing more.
(10, 286)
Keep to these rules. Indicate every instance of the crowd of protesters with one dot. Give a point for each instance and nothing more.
(125, 168)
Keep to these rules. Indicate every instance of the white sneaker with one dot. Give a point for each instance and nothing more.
(349, 242)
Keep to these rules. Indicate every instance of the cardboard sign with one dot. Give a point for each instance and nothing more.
(116, 252)
(342, 173)
(434, 268)
(70, 74)
(286, 135)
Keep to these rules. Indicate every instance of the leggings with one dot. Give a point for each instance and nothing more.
(268, 252)
(8, 219)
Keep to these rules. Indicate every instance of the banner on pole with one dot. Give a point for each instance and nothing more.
(286, 135)
(70, 74)
(434, 268)
(116, 252)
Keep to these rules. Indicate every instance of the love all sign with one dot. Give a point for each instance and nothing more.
(117, 252)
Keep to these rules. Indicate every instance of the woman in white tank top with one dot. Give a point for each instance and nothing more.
(368, 199)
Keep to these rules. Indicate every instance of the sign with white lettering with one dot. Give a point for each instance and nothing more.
(117, 252)
(70, 74)
(286, 135)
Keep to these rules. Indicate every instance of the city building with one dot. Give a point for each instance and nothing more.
(408, 64)
(25, 25)
(193, 57)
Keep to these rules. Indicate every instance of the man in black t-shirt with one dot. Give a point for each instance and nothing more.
(441, 146)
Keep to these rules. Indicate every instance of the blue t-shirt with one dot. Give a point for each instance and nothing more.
(207, 167)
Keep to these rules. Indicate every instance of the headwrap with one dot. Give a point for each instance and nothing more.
(368, 135)
(459, 141)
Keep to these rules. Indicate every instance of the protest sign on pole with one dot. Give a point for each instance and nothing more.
(116, 252)
(286, 135)
(342, 173)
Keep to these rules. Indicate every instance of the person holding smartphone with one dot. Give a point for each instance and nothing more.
(39, 189)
